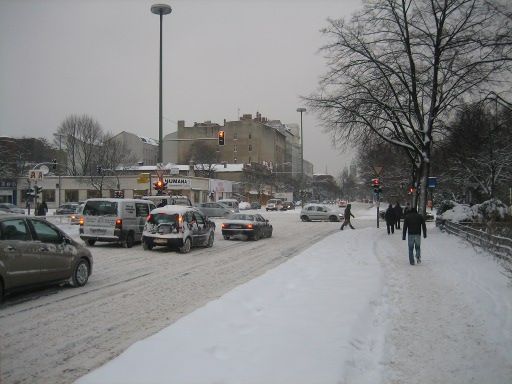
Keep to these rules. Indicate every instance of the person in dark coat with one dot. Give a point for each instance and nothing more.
(42, 209)
(390, 219)
(414, 223)
(347, 215)
(407, 209)
(398, 214)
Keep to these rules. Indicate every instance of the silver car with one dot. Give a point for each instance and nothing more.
(213, 209)
(35, 252)
(11, 208)
(320, 212)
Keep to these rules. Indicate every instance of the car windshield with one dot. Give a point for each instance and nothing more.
(181, 201)
(163, 218)
(100, 208)
(240, 216)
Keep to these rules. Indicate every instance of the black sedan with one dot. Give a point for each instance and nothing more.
(246, 225)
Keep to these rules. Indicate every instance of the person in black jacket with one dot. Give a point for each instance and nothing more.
(398, 214)
(414, 223)
(347, 215)
(390, 219)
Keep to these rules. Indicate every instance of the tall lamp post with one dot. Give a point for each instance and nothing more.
(301, 110)
(160, 9)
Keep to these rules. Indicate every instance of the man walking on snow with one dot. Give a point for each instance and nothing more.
(347, 217)
(413, 224)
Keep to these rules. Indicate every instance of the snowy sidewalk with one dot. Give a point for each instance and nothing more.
(349, 309)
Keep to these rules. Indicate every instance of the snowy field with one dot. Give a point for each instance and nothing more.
(347, 309)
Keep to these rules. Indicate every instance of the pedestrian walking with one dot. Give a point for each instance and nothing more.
(42, 209)
(414, 223)
(347, 217)
(398, 214)
(390, 219)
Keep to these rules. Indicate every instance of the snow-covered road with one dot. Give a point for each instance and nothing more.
(347, 309)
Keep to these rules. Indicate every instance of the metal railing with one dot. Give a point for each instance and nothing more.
(498, 245)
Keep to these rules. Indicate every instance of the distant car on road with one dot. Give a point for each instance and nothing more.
(244, 205)
(255, 205)
(213, 209)
(274, 205)
(11, 208)
(251, 226)
(35, 252)
(322, 212)
(288, 205)
(66, 209)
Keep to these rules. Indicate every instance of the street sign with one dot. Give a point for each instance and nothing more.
(35, 175)
(432, 182)
(143, 178)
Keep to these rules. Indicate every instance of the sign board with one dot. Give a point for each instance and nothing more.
(178, 183)
(432, 182)
(35, 175)
(143, 178)
(175, 171)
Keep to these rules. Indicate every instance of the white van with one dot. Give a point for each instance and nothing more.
(114, 220)
(163, 200)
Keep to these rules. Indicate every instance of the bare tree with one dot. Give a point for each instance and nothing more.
(400, 66)
(204, 156)
(80, 136)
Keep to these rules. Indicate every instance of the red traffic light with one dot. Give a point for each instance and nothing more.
(411, 190)
(159, 185)
(375, 182)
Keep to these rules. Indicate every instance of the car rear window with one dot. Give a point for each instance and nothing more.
(163, 218)
(100, 208)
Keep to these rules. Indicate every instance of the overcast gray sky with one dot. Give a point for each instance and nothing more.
(221, 58)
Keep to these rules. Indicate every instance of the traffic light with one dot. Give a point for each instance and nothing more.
(98, 169)
(54, 164)
(31, 192)
(38, 189)
(376, 185)
(159, 185)
(221, 137)
(119, 194)
(411, 190)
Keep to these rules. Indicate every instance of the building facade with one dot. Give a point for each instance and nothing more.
(145, 149)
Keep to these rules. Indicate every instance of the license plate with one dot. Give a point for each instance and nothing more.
(160, 241)
(236, 226)
(98, 230)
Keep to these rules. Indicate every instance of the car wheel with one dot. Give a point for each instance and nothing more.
(147, 246)
(333, 218)
(304, 218)
(226, 237)
(90, 242)
(256, 236)
(129, 241)
(80, 274)
(270, 233)
(210, 240)
(186, 246)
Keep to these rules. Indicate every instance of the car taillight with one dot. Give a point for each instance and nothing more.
(149, 218)
(223, 225)
(249, 226)
(81, 221)
(119, 223)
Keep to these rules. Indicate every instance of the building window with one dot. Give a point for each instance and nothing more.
(235, 135)
(48, 195)
(250, 147)
(250, 135)
(71, 195)
(235, 149)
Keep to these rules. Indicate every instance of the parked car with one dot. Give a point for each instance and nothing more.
(178, 227)
(35, 252)
(66, 209)
(114, 220)
(213, 209)
(244, 205)
(251, 226)
(11, 208)
(320, 212)
(288, 205)
(274, 205)
(255, 205)
(230, 203)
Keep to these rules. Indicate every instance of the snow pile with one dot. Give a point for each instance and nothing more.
(490, 210)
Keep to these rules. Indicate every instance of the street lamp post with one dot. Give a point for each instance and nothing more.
(301, 110)
(160, 9)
